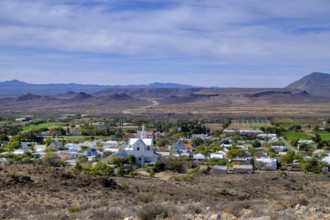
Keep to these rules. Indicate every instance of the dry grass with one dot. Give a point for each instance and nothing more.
(54, 193)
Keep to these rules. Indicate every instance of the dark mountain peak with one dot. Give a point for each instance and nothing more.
(319, 74)
(13, 82)
(121, 96)
(28, 97)
(70, 93)
(316, 84)
(117, 97)
(81, 96)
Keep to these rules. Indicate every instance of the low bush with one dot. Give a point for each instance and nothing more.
(153, 211)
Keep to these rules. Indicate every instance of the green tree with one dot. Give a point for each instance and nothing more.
(233, 153)
(162, 142)
(131, 159)
(256, 144)
(115, 160)
(52, 159)
(288, 157)
(101, 169)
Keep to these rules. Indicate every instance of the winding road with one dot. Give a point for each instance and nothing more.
(131, 111)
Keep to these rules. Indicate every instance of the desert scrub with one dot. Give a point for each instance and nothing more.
(75, 208)
(236, 207)
(188, 178)
(154, 211)
(144, 198)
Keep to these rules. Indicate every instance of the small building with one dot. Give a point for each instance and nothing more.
(242, 169)
(230, 132)
(279, 148)
(250, 132)
(219, 169)
(55, 144)
(199, 157)
(28, 144)
(3, 160)
(201, 136)
(177, 146)
(141, 157)
(93, 153)
(20, 151)
(326, 159)
(266, 135)
(21, 119)
(218, 155)
(325, 169)
(237, 161)
(266, 163)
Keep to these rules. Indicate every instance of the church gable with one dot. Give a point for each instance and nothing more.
(139, 145)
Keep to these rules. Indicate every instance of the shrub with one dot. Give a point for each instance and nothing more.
(187, 178)
(52, 159)
(108, 183)
(75, 208)
(153, 211)
(175, 166)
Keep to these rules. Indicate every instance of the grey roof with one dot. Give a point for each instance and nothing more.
(217, 167)
(242, 167)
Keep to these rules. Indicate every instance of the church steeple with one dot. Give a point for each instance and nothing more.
(143, 133)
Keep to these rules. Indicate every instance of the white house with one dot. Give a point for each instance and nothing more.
(20, 151)
(199, 157)
(326, 159)
(279, 148)
(218, 155)
(230, 132)
(141, 157)
(305, 142)
(250, 132)
(266, 135)
(266, 163)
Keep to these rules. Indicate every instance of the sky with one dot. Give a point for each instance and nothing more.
(225, 43)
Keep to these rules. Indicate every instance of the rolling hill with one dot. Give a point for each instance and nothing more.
(316, 84)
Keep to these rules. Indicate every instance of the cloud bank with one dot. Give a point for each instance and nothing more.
(164, 39)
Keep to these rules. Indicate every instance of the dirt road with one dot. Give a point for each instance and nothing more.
(132, 111)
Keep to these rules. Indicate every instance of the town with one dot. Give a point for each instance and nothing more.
(119, 147)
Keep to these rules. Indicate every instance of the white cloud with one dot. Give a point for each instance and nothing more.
(242, 32)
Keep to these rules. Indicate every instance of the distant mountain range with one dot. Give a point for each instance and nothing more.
(316, 84)
(305, 94)
(17, 88)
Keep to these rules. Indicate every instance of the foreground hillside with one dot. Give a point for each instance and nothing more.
(35, 192)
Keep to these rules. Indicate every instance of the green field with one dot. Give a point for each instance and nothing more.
(295, 135)
(46, 125)
(252, 121)
(325, 136)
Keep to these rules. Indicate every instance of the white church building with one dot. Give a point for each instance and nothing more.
(142, 148)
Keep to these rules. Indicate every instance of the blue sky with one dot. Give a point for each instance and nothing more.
(227, 43)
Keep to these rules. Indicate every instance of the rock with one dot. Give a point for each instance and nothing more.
(228, 216)
(129, 218)
(215, 217)
(261, 218)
